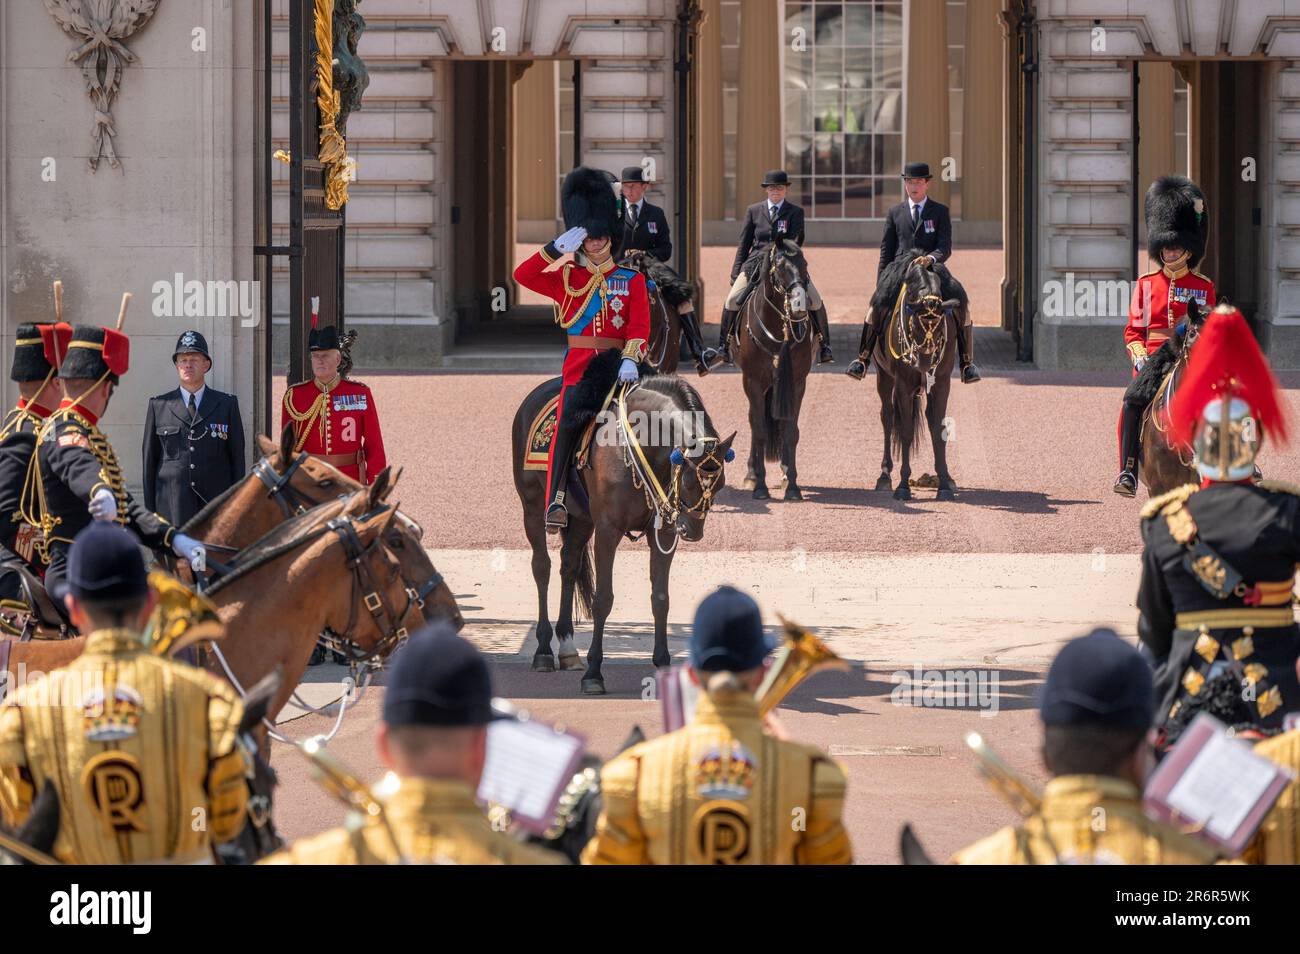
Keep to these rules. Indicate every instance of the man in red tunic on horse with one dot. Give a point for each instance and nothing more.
(599, 304)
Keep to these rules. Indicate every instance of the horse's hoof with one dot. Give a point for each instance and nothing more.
(903, 492)
(946, 493)
(793, 493)
(593, 687)
(543, 663)
(762, 493)
(883, 483)
(749, 483)
(569, 663)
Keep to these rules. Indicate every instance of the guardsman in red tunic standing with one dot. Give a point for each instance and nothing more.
(599, 304)
(334, 418)
(1176, 233)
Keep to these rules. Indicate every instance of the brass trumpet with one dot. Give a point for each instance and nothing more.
(801, 654)
(333, 776)
(1003, 779)
(182, 617)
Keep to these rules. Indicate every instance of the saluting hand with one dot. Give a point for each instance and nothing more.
(571, 240)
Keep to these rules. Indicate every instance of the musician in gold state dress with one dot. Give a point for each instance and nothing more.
(1097, 706)
(143, 751)
(1278, 840)
(722, 789)
(433, 738)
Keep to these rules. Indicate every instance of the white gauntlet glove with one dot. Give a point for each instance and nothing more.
(571, 240)
(187, 548)
(627, 371)
(103, 505)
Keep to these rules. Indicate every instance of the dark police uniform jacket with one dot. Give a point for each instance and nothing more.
(651, 233)
(758, 230)
(1254, 529)
(187, 463)
(932, 234)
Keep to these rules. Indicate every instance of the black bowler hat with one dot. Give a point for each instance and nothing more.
(776, 177)
(1100, 681)
(104, 563)
(191, 342)
(633, 174)
(728, 633)
(438, 679)
(917, 170)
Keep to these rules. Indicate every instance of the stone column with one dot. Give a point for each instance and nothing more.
(1156, 132)
(535, 141)
(709, 65)
(981, 160)
(925, 66)
(758, 133)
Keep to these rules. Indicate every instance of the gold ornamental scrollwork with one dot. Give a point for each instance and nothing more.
(333, 151)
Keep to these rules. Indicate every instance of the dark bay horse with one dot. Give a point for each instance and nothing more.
(662, 491)
(663, 349)
(1164, 465)
(914, 355)
(776, 354)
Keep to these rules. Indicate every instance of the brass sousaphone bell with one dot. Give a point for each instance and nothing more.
(801, 654)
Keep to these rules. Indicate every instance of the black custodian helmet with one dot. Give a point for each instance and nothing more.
(1176, 217)
(588, 200)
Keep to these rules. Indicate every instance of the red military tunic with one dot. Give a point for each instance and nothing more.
(339, 425)
(1159, 304)
(600, 306)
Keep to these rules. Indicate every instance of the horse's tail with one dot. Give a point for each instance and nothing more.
(584, 586)
(915, 413)
(774, 431)
(783, 399)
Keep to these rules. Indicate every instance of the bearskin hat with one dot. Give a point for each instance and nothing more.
(1176, 216)
(96, 352)
(587, 199)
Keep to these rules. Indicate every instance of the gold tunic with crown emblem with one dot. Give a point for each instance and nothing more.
(142, 751)
(721, 791)
(1278, 840)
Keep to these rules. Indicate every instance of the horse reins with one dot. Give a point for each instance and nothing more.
(389, 622)
(279, 488)
(792, 328)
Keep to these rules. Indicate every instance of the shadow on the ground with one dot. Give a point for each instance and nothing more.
(1010, 501)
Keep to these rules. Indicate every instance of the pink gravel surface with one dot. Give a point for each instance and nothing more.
(1033, 454)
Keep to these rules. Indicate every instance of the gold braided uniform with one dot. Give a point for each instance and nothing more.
(142, 751)
(721, 791)
(434, 821)
(1278, 840)
(1087, 819)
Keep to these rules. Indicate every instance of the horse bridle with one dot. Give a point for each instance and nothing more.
(708, 480)
(365, 592)
(279, 487)
(792, 328)
(933, 320)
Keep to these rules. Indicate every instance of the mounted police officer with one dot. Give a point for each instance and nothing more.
(644, 228)
(433, 741)
(917, 224)
(193, 438)
(143, 751)
(722, 789)
(39, 388)
(765, 222)
(80, 479)
(1220, 556)
(1096, 708)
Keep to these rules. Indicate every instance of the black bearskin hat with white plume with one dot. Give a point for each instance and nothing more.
(1176, 217)
(588, 200)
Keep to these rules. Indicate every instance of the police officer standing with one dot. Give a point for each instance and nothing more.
(138, 747)
(433, 739)
(722, 790)
(1096, 709)
(193, 438)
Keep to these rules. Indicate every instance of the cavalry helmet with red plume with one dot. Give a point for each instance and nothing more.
(588, 200)
(1227, 399)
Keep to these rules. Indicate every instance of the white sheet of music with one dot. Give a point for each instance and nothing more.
(527, 766)
(1221, 785)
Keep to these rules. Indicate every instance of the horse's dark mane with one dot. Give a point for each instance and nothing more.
(892, 278)
(681, 394)
(273, 544)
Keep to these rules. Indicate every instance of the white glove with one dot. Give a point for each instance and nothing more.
(571, 240)
(627, 372)
(1139, 364)
(188, 548)
(103, 505)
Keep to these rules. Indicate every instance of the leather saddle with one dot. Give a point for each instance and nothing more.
(46, 614)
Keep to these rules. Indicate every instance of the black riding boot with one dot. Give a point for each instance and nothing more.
(857, 368)
(557, 514)
(724, 339)
(965, 353)
(822, 323)
(705, 358)
(1130, 443)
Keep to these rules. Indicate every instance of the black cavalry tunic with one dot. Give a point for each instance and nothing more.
(17, 445)
(189, 462)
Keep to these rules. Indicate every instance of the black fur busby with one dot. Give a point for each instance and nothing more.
(95, 352)
(588, 200)
(1176, 215)
(895, 273)
(30, 363)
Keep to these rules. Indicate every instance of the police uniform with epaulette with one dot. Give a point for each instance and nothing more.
(1097, 698)
(722, 790)
(438, 700)
(143, 751)
(1219, 560)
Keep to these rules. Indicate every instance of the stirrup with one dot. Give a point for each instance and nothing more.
(970, 374)
(857, 369)
(557, 518)
(1126, 484)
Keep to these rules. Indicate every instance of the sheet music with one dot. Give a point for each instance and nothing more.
(527, 766)
(1221, 785)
